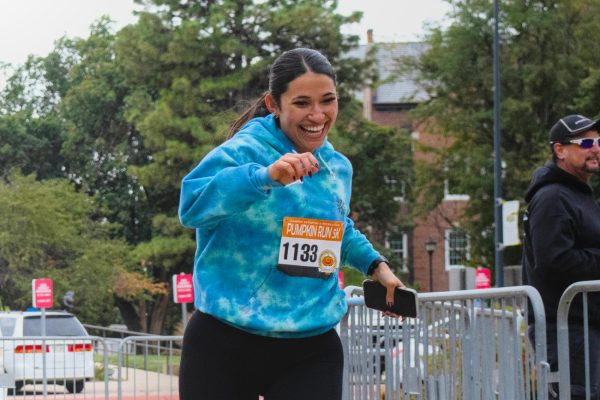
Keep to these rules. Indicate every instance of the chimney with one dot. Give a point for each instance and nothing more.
(370, 36)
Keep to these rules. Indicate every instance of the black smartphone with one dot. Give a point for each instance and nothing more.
(405, 300)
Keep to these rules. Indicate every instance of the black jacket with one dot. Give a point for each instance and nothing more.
(562, 239)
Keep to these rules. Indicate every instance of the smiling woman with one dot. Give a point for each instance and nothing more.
(270, 209)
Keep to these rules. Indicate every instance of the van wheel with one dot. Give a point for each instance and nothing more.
(74, 386)
(18, 387)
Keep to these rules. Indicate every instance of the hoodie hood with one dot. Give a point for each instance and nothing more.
(551, 173)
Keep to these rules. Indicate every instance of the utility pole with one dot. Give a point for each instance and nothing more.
(497, 155)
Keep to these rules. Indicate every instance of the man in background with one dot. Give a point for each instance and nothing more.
(562, 243)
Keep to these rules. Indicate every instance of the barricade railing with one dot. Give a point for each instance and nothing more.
(151, 365)
(562, 325)
(464, 345)
(54, 366)
(89, 367)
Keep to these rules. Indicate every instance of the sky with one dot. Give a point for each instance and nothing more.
(32, 26)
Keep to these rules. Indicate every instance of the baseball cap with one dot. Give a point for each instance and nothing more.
(572, 125)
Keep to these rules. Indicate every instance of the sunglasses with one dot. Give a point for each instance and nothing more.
(586, 143)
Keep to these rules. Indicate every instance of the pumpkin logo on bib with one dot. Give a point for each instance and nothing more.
(327, 262)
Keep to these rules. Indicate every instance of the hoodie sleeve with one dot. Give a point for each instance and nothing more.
(553, 233)
(222, 185)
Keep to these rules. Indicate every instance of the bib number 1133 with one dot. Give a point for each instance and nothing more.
(296, 251)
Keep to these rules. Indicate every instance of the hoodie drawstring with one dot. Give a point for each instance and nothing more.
(331, 174)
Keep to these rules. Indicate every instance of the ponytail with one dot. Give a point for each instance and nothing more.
(258, 109)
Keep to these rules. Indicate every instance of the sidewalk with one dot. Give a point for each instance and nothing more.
(135, 384)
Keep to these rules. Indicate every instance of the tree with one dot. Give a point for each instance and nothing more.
(382, 161)
(193, 64)
(193, 68)
(383, 165)
(132, 112)
(47, 230)
(30, 145)
(80, 94)
(546, 73)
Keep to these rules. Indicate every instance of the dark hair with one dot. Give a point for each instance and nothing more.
(287, 67)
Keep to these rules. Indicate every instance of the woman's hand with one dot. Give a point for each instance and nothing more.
(293, 166)
(384, 275)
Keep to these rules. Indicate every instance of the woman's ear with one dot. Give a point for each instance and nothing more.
(271, 104)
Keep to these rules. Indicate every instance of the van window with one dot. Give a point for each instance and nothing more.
(7, 326)
(56, 325)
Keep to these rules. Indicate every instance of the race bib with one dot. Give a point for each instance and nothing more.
(310, 247)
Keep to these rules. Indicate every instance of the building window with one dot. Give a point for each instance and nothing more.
(457, 248)
(450, 191)
(397, 243)
(396, 186)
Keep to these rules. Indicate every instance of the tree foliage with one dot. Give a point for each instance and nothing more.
(124, 116)
(47, 230)
(383, 172)
(546, 73)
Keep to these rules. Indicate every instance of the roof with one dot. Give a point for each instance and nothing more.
(401, 89)
(34, 313)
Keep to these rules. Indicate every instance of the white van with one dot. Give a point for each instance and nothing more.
(23, 351)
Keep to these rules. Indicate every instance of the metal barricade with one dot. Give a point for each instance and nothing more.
(466, 345)
(562, 325)
(148, 367)
(88, 367)
(54, 366)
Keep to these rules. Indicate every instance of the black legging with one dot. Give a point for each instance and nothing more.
(222, 362)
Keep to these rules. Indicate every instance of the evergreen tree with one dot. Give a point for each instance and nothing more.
(123, 117)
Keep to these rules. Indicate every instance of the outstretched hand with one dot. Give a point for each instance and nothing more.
(293, 166)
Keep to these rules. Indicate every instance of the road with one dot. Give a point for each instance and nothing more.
(136, 384)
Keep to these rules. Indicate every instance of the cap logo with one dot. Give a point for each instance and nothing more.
(580, 121)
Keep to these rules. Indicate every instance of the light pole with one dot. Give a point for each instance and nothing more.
(499, 263)
(430, 248)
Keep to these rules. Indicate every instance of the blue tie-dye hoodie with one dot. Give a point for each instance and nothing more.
(238, 212)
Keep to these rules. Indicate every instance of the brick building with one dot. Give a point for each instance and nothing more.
(388, 105)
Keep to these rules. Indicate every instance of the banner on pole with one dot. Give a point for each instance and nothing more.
(42, 293)
(510, 223)
(183, 288)
(483, 278)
